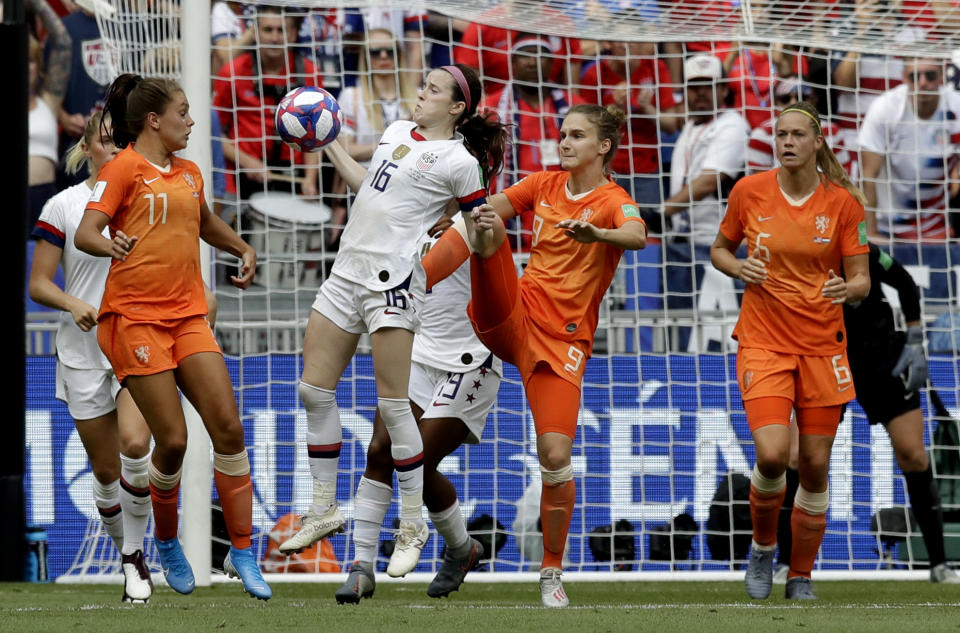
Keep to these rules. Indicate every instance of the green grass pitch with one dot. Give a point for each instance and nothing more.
(691, 607)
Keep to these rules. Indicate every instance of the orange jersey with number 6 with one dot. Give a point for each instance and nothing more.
(800, 246)
(161, 277)
(565, 280)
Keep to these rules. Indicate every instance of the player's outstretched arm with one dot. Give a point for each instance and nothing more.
(218, 234)
(350, 170)
(630, 236)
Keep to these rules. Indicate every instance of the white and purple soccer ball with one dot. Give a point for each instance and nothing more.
(308, 118)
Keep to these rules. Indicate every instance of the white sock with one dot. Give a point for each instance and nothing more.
(407, 452)
(324, 437)
(370, 506)
(135, 501)
(451, 526)
(107, 498)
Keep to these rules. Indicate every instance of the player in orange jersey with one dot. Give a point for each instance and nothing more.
(544, 322)
(151, 323)
(804, 225)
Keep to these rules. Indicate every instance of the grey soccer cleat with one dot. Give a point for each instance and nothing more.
(359, 585)
(759, 576)
(943, 574)
(453, 570)
(799, 588)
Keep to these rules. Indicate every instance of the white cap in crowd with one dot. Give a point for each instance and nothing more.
(703, 67)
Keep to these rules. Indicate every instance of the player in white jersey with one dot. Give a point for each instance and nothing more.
(454, 382)
(909, 142)
(113, 432)
(377, 285)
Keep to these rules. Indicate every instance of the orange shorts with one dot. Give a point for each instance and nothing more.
(518, 340)
(144, 348)
(807, 381)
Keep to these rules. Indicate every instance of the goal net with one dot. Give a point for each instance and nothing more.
(662, 443)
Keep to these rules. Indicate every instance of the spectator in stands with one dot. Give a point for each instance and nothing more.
(353, 25)
(858, 79)
(762, 146)
(487, 48)
(381, 96)
(707, 160)
(245, 95)
(229, 34)
(535, 113)
(46, 90)
(88, 77)
(912, 133)
(751, 73)
(631, 77)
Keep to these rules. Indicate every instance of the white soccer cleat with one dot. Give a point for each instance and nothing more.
(137, 586)
(313, 527)
(551, 588)
(409, 540)
(943, 574)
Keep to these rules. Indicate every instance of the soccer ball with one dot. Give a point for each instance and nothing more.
(308, 118)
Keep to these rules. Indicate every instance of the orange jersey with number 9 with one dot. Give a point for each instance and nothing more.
(161, 277)
(565, 280)
(800, 245)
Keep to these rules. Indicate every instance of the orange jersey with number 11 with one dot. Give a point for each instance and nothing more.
(161, 278)
(800, 244)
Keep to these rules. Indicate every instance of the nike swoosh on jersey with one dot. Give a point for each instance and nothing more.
(147, 182)
(544, 204)
(843, 388)
(391, 313)
(764, 219)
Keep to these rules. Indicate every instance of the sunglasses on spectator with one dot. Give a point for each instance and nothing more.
(378, 52)
(929, 75)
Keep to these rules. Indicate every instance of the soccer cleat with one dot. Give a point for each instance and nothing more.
(454, 570)
(137, 586)
(240, 563)
(175, 567)
(759, 576)
(551, 588)
(359, 585)
(943, 574)
(780, 574)
(409, 540)
(313, 527)
(799, 588)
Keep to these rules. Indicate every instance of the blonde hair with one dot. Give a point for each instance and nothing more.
(827, 161)
(406, 84)
(76, 157)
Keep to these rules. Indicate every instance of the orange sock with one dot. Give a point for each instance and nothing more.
(445, 257)
(236, 498)
(556, 508)
(164, 511)
(765, 512)
(808, 532)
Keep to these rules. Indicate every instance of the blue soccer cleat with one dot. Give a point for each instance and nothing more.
(240, 563)
(175, 567)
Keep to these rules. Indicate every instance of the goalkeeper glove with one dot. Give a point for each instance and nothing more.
(912, 365)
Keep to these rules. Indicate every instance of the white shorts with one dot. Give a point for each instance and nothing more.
(358, 309)
(467, 397)
(89, 393)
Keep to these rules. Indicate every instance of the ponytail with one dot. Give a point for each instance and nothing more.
(827, 161)
(75, 157)
(483, 135)
(131, 98)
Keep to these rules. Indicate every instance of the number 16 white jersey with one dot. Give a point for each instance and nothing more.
(408, 184)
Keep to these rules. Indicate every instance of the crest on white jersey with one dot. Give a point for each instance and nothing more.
(143, 354)
(94, 55)
(400, 152)
(426, 161)
(822, 223)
